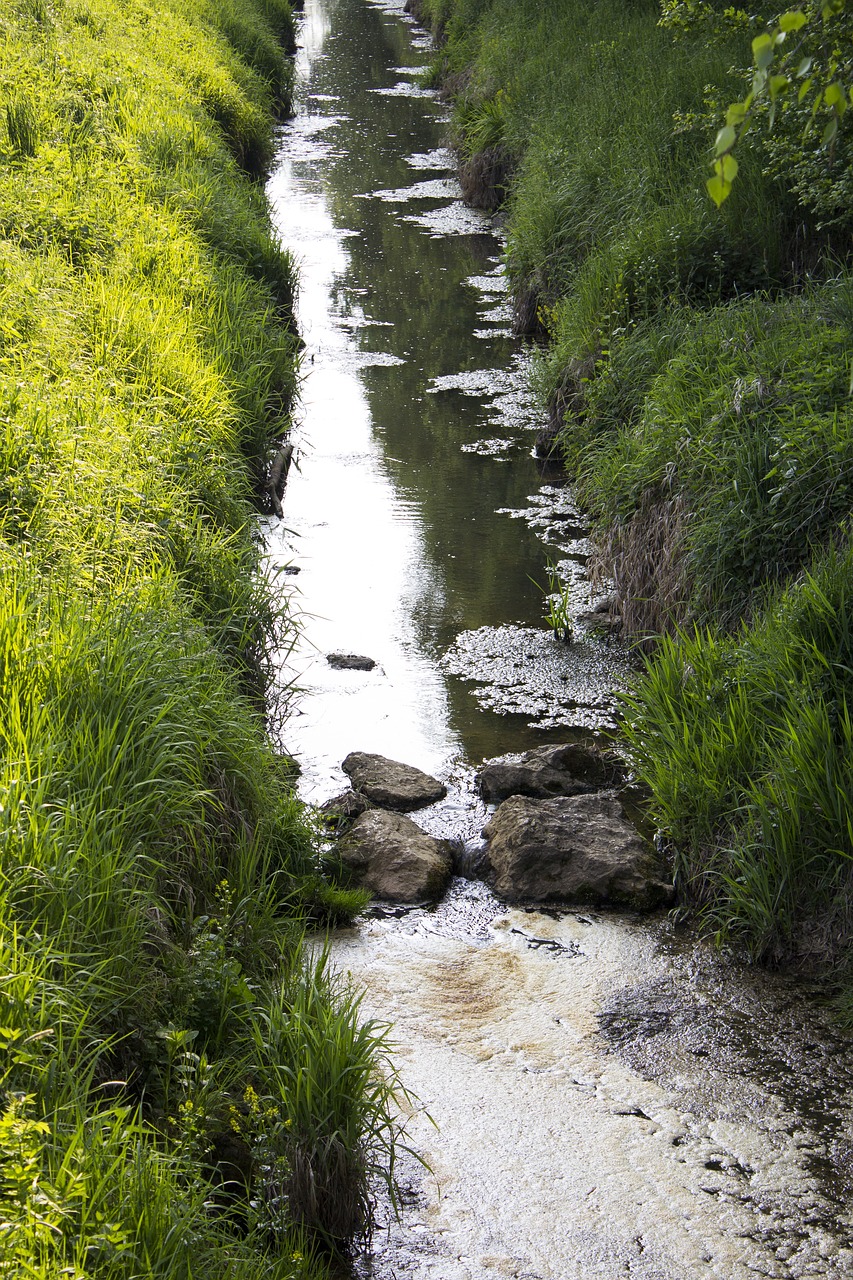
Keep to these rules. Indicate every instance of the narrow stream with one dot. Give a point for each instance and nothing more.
(597, 1095)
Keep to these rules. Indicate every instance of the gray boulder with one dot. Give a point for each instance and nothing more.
(572, 848)
(569, 769)
(390, 784)
(390, 855)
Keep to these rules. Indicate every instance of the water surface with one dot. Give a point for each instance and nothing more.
(415, 444)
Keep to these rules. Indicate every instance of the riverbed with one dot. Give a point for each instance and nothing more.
(599, 1094)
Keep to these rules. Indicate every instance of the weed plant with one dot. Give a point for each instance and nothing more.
(156, 868)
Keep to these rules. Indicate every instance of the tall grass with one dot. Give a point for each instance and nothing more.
(746, 744)
(339, 1116)
(156, 868)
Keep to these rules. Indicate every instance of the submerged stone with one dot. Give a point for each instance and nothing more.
(572, 848)
(390, 855)
(568, 769)
(391, 784)
(350, 662)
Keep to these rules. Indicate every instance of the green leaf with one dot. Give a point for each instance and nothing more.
(829, 132)
(804, 88)
(835, 97)
(793, 20)
(763, 49)
(727, 168)
(718, 189)
(777, 84)
(736, 113)
(803, 68)
(726, 139)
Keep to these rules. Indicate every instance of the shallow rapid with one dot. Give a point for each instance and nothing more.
(598, 1096)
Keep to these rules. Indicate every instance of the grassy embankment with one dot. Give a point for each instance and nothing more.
(698, 367)
(179, 1087)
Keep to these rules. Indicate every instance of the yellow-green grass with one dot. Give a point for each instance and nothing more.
(156, 867)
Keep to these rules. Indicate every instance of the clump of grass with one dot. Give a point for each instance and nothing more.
(746, 744)
(556, 605)
(329, 1078)
(22, 127)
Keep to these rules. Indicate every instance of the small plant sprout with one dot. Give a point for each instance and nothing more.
(557, 611)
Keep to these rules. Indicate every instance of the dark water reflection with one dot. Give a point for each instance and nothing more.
(394, 520)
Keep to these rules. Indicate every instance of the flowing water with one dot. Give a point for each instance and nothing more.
(598, 1096)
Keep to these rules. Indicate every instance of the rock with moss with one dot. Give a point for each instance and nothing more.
(341, 811)
(391, 856)
(572, 849)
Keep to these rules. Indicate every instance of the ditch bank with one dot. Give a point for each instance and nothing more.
(697, 371)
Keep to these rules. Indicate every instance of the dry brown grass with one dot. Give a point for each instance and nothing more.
(644, 556)
(485, 177)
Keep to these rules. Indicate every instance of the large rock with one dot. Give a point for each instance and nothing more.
(390, 784)
(574, 848)
(390, 855)
(570, 769)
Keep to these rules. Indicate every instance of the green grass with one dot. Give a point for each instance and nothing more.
(740, 418)
(339, 1118)
(157, 870)
(746, 744)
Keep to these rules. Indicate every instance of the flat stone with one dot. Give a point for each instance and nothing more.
(390, 784)
(578, 848)
(569, 769)
(350, 662)
(390, 855)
